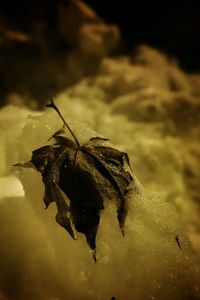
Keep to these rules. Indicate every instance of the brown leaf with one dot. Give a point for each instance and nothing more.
(79, 178)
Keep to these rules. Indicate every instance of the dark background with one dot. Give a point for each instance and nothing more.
(172, 26)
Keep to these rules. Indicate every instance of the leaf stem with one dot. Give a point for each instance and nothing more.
(52, 105)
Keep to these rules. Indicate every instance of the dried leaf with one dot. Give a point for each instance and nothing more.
(80, 177)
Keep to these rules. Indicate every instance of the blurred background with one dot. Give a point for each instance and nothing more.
(46, 45)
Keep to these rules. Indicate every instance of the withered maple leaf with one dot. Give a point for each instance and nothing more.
(80, 177)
